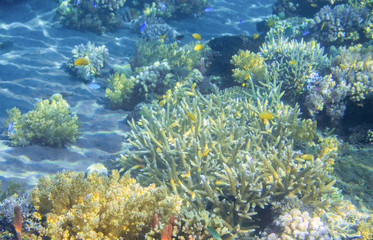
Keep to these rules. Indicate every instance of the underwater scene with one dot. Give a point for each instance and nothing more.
(186, 119)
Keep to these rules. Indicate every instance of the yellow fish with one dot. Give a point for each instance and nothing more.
(307, 156)
(196, 36)
(247, 76)
(198, 47)
(163, 36)
(266, 115)
(313, 5)
(191, 116)
(243, 84)
(162, 102)
(255, 35)
(81, 61)
(322, 26)
(292, 62)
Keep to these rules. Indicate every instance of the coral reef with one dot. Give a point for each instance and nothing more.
(341, 24)
(50, 123)
(95, 60)
(225, 153)
(354, 65)
(327, 94)
(293, 62)
(99, 206)
(297, 225)
(248, 65)
(148, 52)
(120, 89)
(98, 16)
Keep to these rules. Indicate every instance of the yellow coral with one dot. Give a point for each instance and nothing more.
(99, 207)
(248, 66)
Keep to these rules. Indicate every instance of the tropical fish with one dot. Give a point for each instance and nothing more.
(94, 4)
(163, 6)
(271, 22)
(208, 9)
(322, 26)
(94, 85)
(266, 115)
(247, 76)
(313, 5)
(243, 84)
(307, 156)
(191, 116)
(162, 102)
(214, 233)
(196, 36)
(11, 130)
(241, 20)
(163, 36)
(179, 37)
(143, 25)
(198, 47)
(81, 61)
(255, 35)
(305, 32)
(292, 61)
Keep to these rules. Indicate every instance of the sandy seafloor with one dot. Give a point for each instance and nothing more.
(32, 70)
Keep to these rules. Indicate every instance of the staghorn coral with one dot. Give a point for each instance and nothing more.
(219, 154)
(339, 25)
(50, 123)
(98, 16)
(293, 62)
(354, 65)
(99, 206)
(248, 65)
(297, 225)
(96, 56)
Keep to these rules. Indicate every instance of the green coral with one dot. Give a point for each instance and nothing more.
(293, 62)
(99, 206)
(50, 123)
(120, 88)
(224, 153)
(150, 51)
(248, 65)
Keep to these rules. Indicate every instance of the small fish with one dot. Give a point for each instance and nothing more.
(196, 36)
(143, 25)
(163, 6)
(208, 9)
(266, 115)
(255, 35)
(313, 5)
(241, 20)
(307, 156)
(179, 37)
(322, 26)
(214, 233)
(243, 84)
(292, 61)
(94, 85)
(191, 116)
(271, 22)
(163, 36)
(162, 103)
(198, 47)
(77, 2)
(305, 32)
(10, 126)
(247, 76)
(81, 61)
(94, 4)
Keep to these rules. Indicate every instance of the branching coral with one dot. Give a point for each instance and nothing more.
(248, 65)
(120, 89)
(50, 123)
(294, 62)
(95, 56)
(224, 153)
(341, 24)
(354, 65)
(98, 206)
